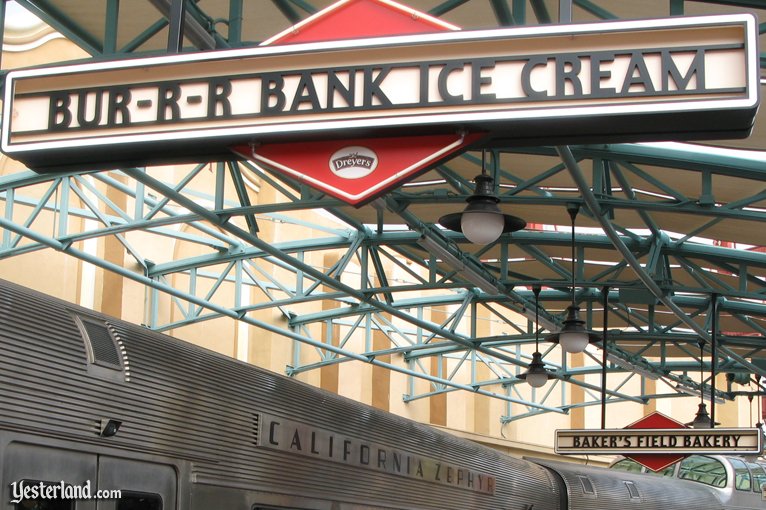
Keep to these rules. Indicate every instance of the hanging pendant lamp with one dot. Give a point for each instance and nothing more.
(573, 337)
(536, 374)
(482, 221)
(702, 419)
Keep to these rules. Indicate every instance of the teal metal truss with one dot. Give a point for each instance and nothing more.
(665, 232)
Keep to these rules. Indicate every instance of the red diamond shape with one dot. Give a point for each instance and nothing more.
(396, 159)
(656, 462)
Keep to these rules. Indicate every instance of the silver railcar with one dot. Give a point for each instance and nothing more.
(89, 403)
(198, 430)
(739, 482)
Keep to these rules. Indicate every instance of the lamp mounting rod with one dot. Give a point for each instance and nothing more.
(573, 208)
(536, 291)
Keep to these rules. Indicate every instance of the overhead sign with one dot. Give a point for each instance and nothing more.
(657, 448)
(676, 78)
(729, 441)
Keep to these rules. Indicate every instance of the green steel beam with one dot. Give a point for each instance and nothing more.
(287, 10)
(445, 7)
(236, 7)
(233, 255)
(112, 19)
(53, 16)
(569, 160)
(146, 35)
(594, 9)
(744, 164)
(226, 226)
(519, 10)
(541, 11)
(502, 12)
(306, 6)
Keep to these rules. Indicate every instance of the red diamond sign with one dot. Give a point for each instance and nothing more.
(357, 170)
(353, 19)
(656, 462)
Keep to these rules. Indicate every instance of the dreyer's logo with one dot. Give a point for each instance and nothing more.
(353, 162)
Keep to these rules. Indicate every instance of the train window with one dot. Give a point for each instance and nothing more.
(587, 485)
(707, 470)
(669, 471)
(629, 465)
(759, 476)
(632, 490)
(139, 501)
(742, 480)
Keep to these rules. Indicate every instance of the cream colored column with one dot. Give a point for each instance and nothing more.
(482, 407)
(381, 377)
(437, 404)
(328, 375)
(577, 395)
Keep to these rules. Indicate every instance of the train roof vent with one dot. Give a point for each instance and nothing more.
(632, 490)
(102, 344)
(105, 350)
(587, 485)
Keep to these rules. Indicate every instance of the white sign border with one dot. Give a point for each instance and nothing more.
(757, 450)
(750, 101)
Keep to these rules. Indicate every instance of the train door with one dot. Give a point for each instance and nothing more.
(33, 474)
(142, 485)
(51, 478)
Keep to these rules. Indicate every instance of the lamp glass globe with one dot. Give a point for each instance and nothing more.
(537, 379)
(482, 227)
(573, 341)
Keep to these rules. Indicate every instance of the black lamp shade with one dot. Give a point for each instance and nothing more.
(702, 419)
(482, 202)
(536, 374)
(573, 337)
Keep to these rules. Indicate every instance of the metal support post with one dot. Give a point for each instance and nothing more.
(176, 29)
(565, 11)
(605, 294)
(713, 354)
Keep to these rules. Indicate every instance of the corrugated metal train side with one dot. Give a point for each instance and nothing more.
(86, 399)
(233, 435)
(595, 488)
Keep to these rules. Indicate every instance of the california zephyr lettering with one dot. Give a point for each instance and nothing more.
(302, 439)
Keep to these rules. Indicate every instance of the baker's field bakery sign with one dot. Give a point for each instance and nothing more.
(658, 441)
(676, 78)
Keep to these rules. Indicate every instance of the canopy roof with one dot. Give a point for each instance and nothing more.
(664, 228)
